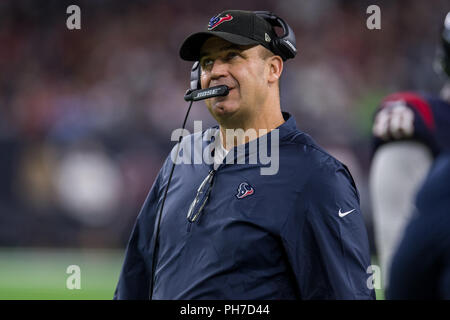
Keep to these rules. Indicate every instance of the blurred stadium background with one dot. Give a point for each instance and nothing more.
(86, 115)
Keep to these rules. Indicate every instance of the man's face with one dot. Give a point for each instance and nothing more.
(242, 69)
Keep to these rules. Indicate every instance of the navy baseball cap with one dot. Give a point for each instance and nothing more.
(235, 26)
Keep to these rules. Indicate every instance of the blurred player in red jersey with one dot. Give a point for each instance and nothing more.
(410, 130)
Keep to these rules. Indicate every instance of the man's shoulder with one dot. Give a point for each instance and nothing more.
(207, 135)
(305, 151)
(195, 140)
(308, 159)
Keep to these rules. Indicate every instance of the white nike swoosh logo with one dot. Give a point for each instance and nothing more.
(343, 214)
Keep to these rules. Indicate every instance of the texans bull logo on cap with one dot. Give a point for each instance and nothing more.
(216, 20)
(244, 190)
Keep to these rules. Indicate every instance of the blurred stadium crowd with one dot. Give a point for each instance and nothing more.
(86, 115)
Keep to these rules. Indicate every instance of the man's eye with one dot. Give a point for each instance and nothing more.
(231, 55)
(206, 63)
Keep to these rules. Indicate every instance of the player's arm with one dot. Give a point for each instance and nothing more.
(326, 241)
(404, 116)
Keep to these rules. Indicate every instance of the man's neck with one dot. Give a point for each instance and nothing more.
(255, 127)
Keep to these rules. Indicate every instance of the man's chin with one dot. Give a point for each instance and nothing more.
(223, 109)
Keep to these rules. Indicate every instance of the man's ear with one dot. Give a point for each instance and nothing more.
(275, 64)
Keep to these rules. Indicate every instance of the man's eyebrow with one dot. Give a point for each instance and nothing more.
(225, 47)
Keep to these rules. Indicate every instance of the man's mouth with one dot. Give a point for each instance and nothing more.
(219, 83)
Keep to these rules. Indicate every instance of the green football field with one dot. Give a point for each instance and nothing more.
(41, 273)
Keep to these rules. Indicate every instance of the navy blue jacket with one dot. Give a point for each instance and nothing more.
(421, 265)
(284, 239)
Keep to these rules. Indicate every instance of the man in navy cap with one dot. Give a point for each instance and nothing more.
(228, 231)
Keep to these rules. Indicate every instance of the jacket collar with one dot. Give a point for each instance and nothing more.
(288, 127)
(285, 130)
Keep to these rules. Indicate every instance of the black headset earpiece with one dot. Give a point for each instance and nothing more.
(194, 79)
(195, 76)
(285, 45)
